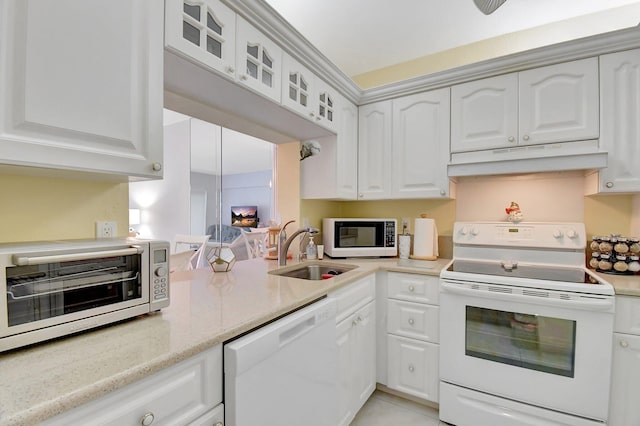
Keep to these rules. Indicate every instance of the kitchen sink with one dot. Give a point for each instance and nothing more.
(313, 271)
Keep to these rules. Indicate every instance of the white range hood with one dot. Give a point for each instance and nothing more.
(577, 155)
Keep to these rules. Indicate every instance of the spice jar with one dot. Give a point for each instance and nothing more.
(634, 263)
(595, 259)
(621, 264)
(605, 262)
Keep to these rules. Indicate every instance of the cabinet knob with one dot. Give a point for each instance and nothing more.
(511, 139)
(412, 288)
(230, 70)
(311, 115)
(147, 419)
(624, 343)
(243, 77)
(411, 321)
(361, 195)
(359, 318)
(354, 323)
(443, 192)
(156, 167)
(411, 368)
(525, 137)
(218, 424)
(609, 184)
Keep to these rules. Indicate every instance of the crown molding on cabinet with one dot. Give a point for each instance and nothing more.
(270, 23)
(562, 52)
(263, 17)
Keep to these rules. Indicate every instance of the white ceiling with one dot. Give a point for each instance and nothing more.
(364, 35)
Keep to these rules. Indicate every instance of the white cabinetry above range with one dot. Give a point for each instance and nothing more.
(548, 112)
(619, 124)
(81, 86)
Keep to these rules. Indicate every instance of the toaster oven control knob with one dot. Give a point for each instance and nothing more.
(161, 271)
(147, 419)
(557, 234)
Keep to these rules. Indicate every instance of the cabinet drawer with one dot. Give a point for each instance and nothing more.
(214, 417)
(413, 287)
(627, 315)
(413, 320)
(413, 367)
(354, 296)
(177, 395)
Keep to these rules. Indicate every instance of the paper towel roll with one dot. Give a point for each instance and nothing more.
(425, 239)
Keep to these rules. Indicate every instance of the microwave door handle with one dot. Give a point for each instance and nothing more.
(21, 260)
(595, 303)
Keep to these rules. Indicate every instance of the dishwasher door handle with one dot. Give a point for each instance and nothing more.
(297, 330)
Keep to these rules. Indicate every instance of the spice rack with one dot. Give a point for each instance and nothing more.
(615, 254)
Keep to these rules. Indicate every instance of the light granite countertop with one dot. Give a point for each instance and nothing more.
(624, 285)
(43, 380)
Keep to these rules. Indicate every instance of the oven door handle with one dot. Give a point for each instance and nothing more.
(599, 304)
(21, 260)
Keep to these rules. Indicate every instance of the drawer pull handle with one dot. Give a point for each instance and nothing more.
(147, 419)
(411, 368)
(412, 288)
(624, 343)
(411, 321)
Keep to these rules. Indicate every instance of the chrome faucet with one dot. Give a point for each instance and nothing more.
(284, 242)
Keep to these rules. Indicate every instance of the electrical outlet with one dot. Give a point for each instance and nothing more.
(106, 229)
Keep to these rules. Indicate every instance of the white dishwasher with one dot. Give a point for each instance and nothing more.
(285, 373)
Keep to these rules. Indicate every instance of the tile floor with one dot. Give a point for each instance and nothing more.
(383, 409)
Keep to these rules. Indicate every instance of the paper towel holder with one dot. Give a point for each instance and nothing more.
(435, 242)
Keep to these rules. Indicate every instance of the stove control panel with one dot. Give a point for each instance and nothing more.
(561, 235)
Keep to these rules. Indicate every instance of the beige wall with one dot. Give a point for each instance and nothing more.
(617, 18)
(44, 208)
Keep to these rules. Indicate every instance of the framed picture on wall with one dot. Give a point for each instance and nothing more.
(244, 216)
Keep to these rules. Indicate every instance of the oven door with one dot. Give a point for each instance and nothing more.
(48, 289)
(545, 348)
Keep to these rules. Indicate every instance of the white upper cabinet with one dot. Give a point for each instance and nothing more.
(374, 151)
(421, 145)
(333, 172)
(619, 123)
(559, 103)
(484, 113)
(556, 103)
(204, 30)
(325, 105)
(297, 87)
(81, 86)
(258, 60)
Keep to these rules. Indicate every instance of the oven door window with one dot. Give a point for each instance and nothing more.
(529, 341)
(38, 292)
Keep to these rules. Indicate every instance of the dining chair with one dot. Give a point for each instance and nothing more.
(256, 243)
(195, 243)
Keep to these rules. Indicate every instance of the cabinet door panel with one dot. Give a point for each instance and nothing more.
(82, 85)
(559, 103)
(625, 381)
(259, 60)
(347, 150)
(365, 357)
(421, 145)
(413, 367)
(374, 151)
(204, 30)
(345, 343)
(298, 84)
(619, 126)
(484, 114)
(413, 320)
(413, 287)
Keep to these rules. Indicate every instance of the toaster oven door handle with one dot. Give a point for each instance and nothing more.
(22, 260)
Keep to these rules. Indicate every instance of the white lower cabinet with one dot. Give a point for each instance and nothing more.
(356, 340)
(188, 393)
(412, 334)
(625, 373)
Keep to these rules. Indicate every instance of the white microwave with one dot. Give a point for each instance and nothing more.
(360, 237)
(52, 289)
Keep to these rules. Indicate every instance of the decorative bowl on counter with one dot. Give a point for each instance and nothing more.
(615, 254)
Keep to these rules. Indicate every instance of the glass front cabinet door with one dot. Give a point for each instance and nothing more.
(204, 30)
